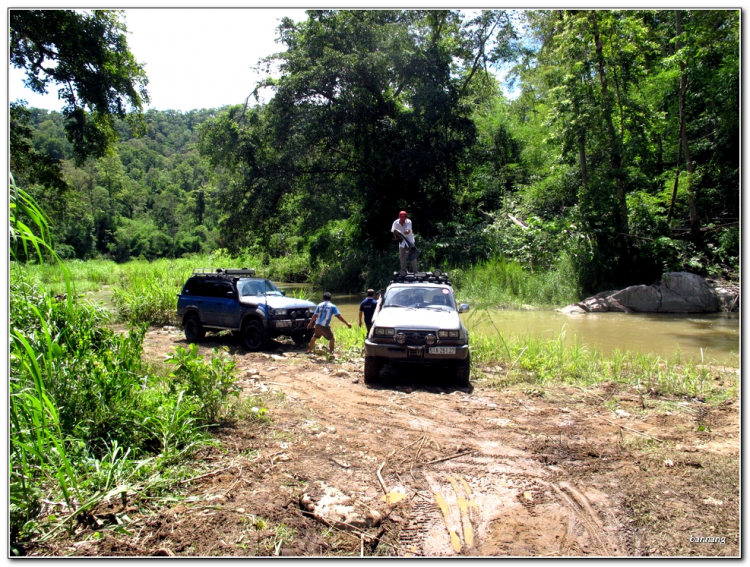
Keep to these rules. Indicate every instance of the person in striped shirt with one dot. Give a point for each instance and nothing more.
(324, 312)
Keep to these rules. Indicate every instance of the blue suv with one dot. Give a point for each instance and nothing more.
(252, 308)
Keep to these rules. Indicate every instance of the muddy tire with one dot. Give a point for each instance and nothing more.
(254, 335)
(463, 371)
(194, 331)
(373, 365)
(302, 337)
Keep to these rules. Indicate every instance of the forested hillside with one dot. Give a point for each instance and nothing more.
(615, 158)
(151, 197)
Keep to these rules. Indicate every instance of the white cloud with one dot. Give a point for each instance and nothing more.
(194, 58)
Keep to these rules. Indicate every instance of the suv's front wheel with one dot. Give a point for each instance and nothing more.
(463, 370)
(194, 330)
(254, 335)
(302, 337)
(373, 366)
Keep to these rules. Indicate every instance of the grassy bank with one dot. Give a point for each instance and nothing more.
(499, 361)
(91, 421)
(504, 284)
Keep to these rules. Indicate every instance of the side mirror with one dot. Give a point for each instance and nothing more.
(283, 293)
(230, 294)
(463, 307)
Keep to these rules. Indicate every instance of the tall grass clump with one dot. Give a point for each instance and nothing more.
(88, 421)
(146, 292)
(522, 358)
(500, 282)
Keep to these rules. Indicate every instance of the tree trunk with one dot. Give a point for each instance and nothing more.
(694, 224)
(615, 159)
(582, 152)
(676, 179)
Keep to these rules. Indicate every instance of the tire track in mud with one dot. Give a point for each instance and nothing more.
(520, 508)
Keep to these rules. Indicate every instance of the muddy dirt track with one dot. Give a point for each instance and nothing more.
(412, 467)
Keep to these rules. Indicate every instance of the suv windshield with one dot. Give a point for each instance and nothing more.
(249, 287)
(418, 297)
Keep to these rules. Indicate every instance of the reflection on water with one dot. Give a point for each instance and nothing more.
(662, 335)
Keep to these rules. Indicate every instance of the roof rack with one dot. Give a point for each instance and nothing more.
(224, 272)
(437, 277)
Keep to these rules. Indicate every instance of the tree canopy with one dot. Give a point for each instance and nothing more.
(86, 54)
(615, 156)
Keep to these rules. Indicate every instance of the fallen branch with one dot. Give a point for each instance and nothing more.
(356, 532)
(424, 438)
(397, 451)
(457, 455)
(342, 465)
(633, 430)
(380, 479)
(208, 474)
(518, 222)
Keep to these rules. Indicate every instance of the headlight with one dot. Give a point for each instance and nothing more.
(447, 334)
(430, 339)
(277, 312)
(385, 331)
(310, 311)
(400, 338)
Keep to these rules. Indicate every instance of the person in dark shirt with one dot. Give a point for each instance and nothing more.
(367, 308)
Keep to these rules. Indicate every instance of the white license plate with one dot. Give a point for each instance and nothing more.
(283, 324)
(443, 350)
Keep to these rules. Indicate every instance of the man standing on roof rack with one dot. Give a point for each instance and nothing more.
(404, 235)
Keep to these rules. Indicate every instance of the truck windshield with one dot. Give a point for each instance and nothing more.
(416, 296)
(257, 287)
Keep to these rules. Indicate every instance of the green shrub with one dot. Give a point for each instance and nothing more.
(210, 384)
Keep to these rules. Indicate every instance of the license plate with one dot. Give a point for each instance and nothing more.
(443, 350)
(283, 324)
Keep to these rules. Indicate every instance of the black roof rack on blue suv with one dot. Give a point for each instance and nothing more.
(224, 272)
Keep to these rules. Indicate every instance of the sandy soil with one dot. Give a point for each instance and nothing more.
(521, 471)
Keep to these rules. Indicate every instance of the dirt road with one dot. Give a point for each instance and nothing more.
(414, 468)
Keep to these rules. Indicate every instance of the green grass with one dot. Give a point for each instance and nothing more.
(500, 360)
(521, 358)
(89, 421)
(142, 291)
(502, 283)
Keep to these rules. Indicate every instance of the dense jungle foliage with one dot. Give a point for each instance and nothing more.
(617, 154)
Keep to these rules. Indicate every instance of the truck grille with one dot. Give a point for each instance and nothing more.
(416, 337)
(297, 313)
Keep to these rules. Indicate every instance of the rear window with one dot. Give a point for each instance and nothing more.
(207, 288)
(193, 287)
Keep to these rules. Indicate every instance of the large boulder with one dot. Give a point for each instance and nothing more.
(683, 292)
(639, 298)
(677, 292)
